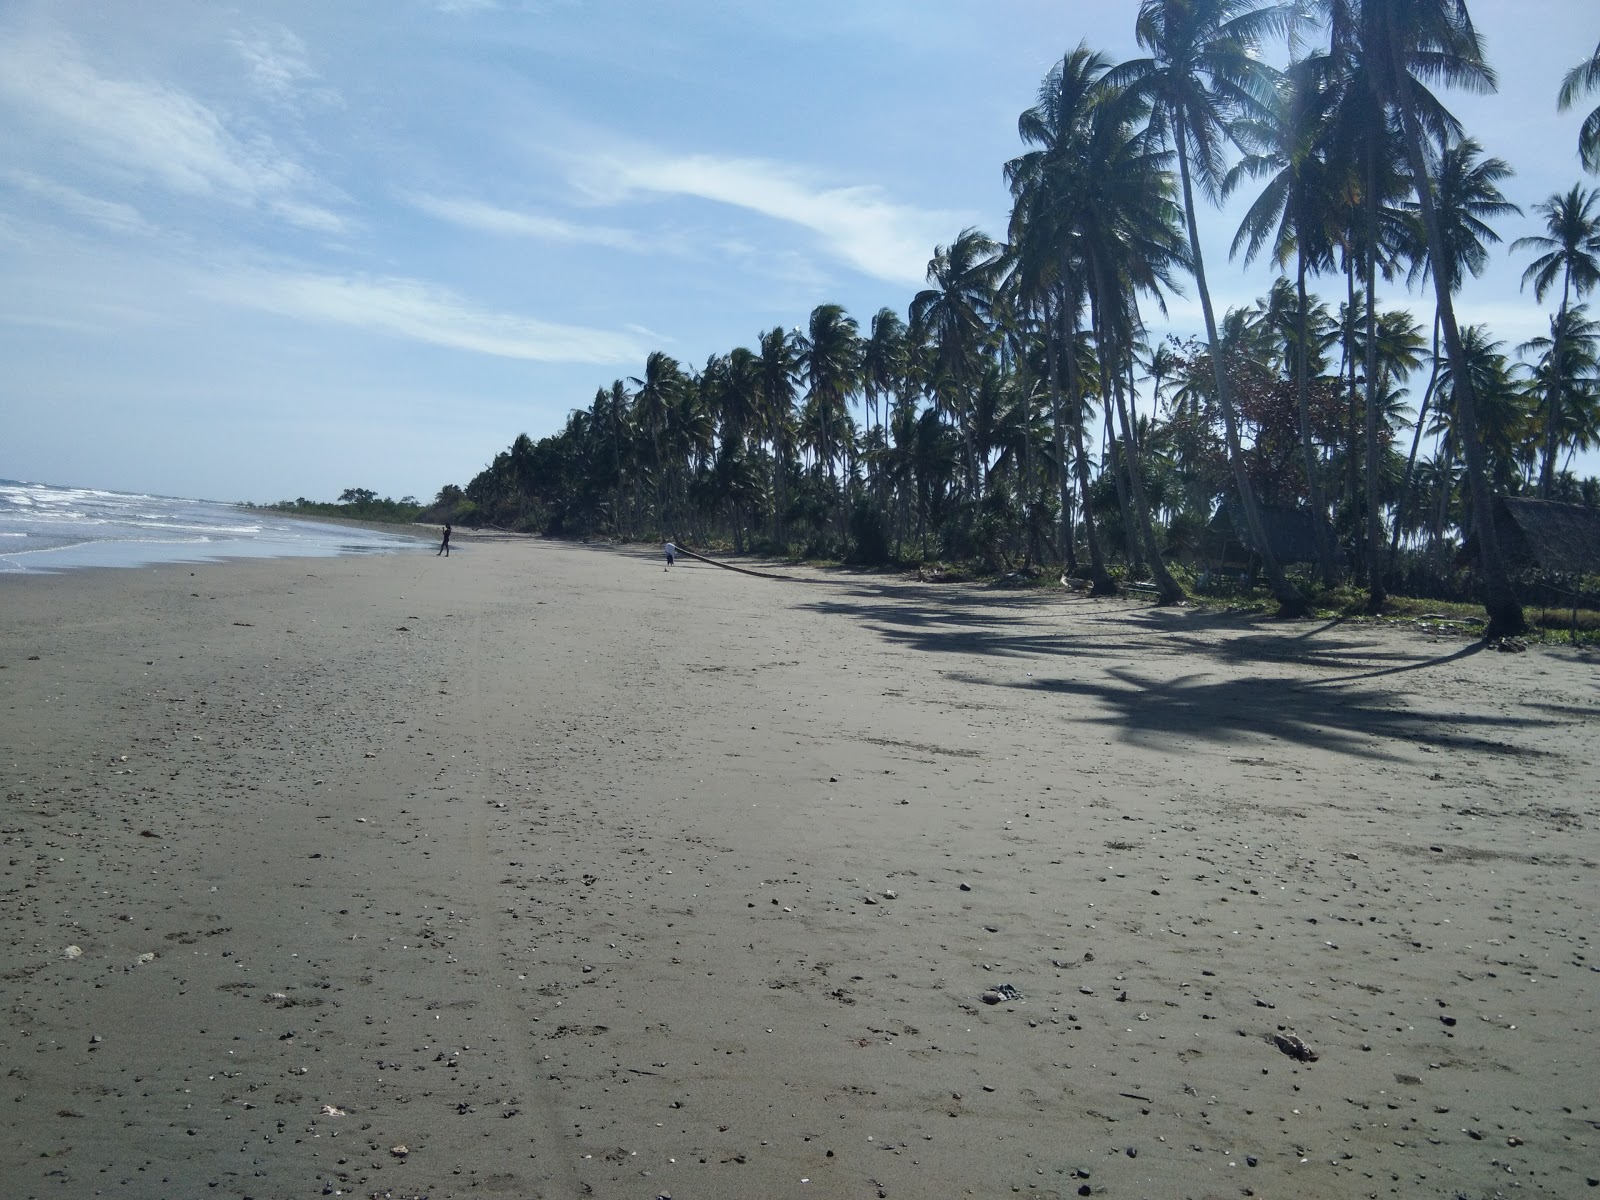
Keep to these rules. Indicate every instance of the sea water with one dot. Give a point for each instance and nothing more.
(48, 528)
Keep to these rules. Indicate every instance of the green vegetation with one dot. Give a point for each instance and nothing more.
(1018, 418)
(356, 504)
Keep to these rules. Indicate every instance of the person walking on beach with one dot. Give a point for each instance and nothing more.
(671, 551)
(444, 546)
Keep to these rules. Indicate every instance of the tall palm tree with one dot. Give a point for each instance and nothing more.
(1294, 209)
(654, 402)
(1041, 180)
(1580, 81)
(1403, 45)
(1203, 68)
(1570, 248)
(1566, 372)
(1127, 234)
(830, 362)
(778, 368)
(1466, 196)
(954, 317)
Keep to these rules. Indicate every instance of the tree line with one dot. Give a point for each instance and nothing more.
(1020, 412)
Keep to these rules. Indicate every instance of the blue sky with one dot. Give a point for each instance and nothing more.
(276, 249)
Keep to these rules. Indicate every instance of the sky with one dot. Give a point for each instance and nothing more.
(277, 249)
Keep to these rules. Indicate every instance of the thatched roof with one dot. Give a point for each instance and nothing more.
(1291, 532)
(1543, 536)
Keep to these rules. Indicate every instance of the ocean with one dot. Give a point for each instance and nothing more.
(46, 528)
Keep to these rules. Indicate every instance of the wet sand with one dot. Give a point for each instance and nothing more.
(541, 871)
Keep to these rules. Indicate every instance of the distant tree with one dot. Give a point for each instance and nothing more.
(357, 496)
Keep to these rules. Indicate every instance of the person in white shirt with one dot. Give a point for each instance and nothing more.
(671, 551)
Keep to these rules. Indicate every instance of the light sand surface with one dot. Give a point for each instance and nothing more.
(574, 876)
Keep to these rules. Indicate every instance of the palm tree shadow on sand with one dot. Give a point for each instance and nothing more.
(1306, 684)
(1327, 715)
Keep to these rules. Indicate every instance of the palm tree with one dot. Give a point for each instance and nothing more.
(1570, 247)
(830, 361)
(658, 393)
(1565, 372)
(1401, 45)
(1294, 209)
(1042, 180)
(1202, 68)
(955, 318)
(778, 367)
(1466, 197)
(1127, 234)
(1580, 81)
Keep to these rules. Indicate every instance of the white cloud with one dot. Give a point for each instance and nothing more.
(858, 224)
(109, 214)
(487, 218)
(276, 59)
(411, 309)
(152, 130)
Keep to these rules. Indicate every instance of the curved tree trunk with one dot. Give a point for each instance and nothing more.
(1290, 602)
(1499, 596)
(1411, 459)
(1167, 589)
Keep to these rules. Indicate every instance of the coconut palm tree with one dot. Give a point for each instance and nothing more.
(1042, 181)
(1580, 81)
(778, 368)
(954, 318)
(830, 363)
(1570, 248)
(1294, 209)
(1202, 69)
(1402, 45)
(1565, 373)
(1466, 196)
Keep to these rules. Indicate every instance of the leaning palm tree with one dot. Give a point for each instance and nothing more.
(1570, 248)
(1581, 81)
(1466, 196)
(1403, 45)
(1202, 69)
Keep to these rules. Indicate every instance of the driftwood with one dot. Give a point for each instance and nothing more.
(681, 549)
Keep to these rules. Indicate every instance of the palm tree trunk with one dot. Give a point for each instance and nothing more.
(1500, 597)
(1290, 602)
(1376, 594)
(1100, 581)
(1319, 509)
(1547, 477)
(1411, 459)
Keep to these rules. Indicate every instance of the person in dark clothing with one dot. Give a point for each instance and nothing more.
(444, 546)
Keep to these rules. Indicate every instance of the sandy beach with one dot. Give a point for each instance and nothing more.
(540, 871)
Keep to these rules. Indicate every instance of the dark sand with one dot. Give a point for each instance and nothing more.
(572, 876)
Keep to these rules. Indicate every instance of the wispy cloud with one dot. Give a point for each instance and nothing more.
(859, 225)
(488, 218)
(152, 130)
(276, 59)
(108, 214)
(421, 312)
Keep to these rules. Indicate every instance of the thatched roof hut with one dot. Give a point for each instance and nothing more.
(1291, 536)
(1546, 538)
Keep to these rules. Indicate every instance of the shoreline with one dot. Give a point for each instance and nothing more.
(513, 863)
